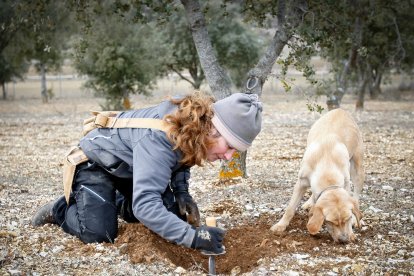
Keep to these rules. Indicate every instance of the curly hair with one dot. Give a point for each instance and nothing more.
(190, 127)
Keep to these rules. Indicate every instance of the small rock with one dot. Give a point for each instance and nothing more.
(295, 243)
(301, 256)
(276, 242)
(43, 254)
(123, 248)
(235, 271)
(15, 272)
(263, 243)
(401, 252)
(248, 207)
(387, 188)
(375, 210)
(357, 268)
(57, 249)
(180, 270)
(106, 259)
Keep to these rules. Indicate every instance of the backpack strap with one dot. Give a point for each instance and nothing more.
(104, 119)
(74, 157)
(109, 119)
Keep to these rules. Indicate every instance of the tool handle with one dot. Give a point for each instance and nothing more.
(211, 221)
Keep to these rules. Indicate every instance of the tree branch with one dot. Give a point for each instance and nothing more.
(182, 76)
(280, 39)
(217, 78)
(399, 41)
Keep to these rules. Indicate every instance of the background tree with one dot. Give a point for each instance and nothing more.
(120, 59)
(364, 41)
(12, 32)
(168, 45)
(237, 45)
(49, 40)
(12, 65)
(35, 30)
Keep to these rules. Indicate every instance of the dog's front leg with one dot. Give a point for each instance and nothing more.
(298, 191)
(357, 173)
(308, 204)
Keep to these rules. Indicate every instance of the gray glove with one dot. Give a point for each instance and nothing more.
(186, 203)
(209, 239)
(188, 206)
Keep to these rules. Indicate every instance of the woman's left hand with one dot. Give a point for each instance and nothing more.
(188, 207)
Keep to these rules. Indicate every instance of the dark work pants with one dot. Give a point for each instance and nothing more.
(96, 200)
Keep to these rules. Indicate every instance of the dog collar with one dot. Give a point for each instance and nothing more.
(327, 189)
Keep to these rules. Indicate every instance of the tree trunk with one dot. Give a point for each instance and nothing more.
(257, 76)
(219, 80)
(3, 85)
(334, 100)
(375, 87)
(359, 106)
(43, 86)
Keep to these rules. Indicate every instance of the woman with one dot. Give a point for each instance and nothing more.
(142, 174)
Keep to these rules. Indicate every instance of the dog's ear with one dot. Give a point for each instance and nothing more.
(356, 211)
(316, 220)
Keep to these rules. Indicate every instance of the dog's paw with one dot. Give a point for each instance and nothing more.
(278, 227)
(355, 222)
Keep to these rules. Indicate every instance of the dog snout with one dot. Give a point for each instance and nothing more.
(343, 238)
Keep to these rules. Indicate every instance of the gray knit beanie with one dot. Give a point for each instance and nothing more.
(238, 118)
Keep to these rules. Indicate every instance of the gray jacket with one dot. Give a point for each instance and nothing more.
(146, 156)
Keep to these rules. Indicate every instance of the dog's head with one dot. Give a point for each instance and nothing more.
(338, 209)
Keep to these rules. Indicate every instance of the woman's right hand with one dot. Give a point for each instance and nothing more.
(209, 239)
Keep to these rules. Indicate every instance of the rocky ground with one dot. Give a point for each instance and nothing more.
(34, 137)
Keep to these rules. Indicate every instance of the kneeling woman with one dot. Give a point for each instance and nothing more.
(142, 174)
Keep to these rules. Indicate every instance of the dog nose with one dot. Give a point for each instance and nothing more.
(343, 238)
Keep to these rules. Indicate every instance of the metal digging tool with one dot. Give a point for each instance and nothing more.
(211, 221)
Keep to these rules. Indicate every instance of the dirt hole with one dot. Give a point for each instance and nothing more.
(245, 245)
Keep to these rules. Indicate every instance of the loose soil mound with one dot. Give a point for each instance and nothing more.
(245, 246)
